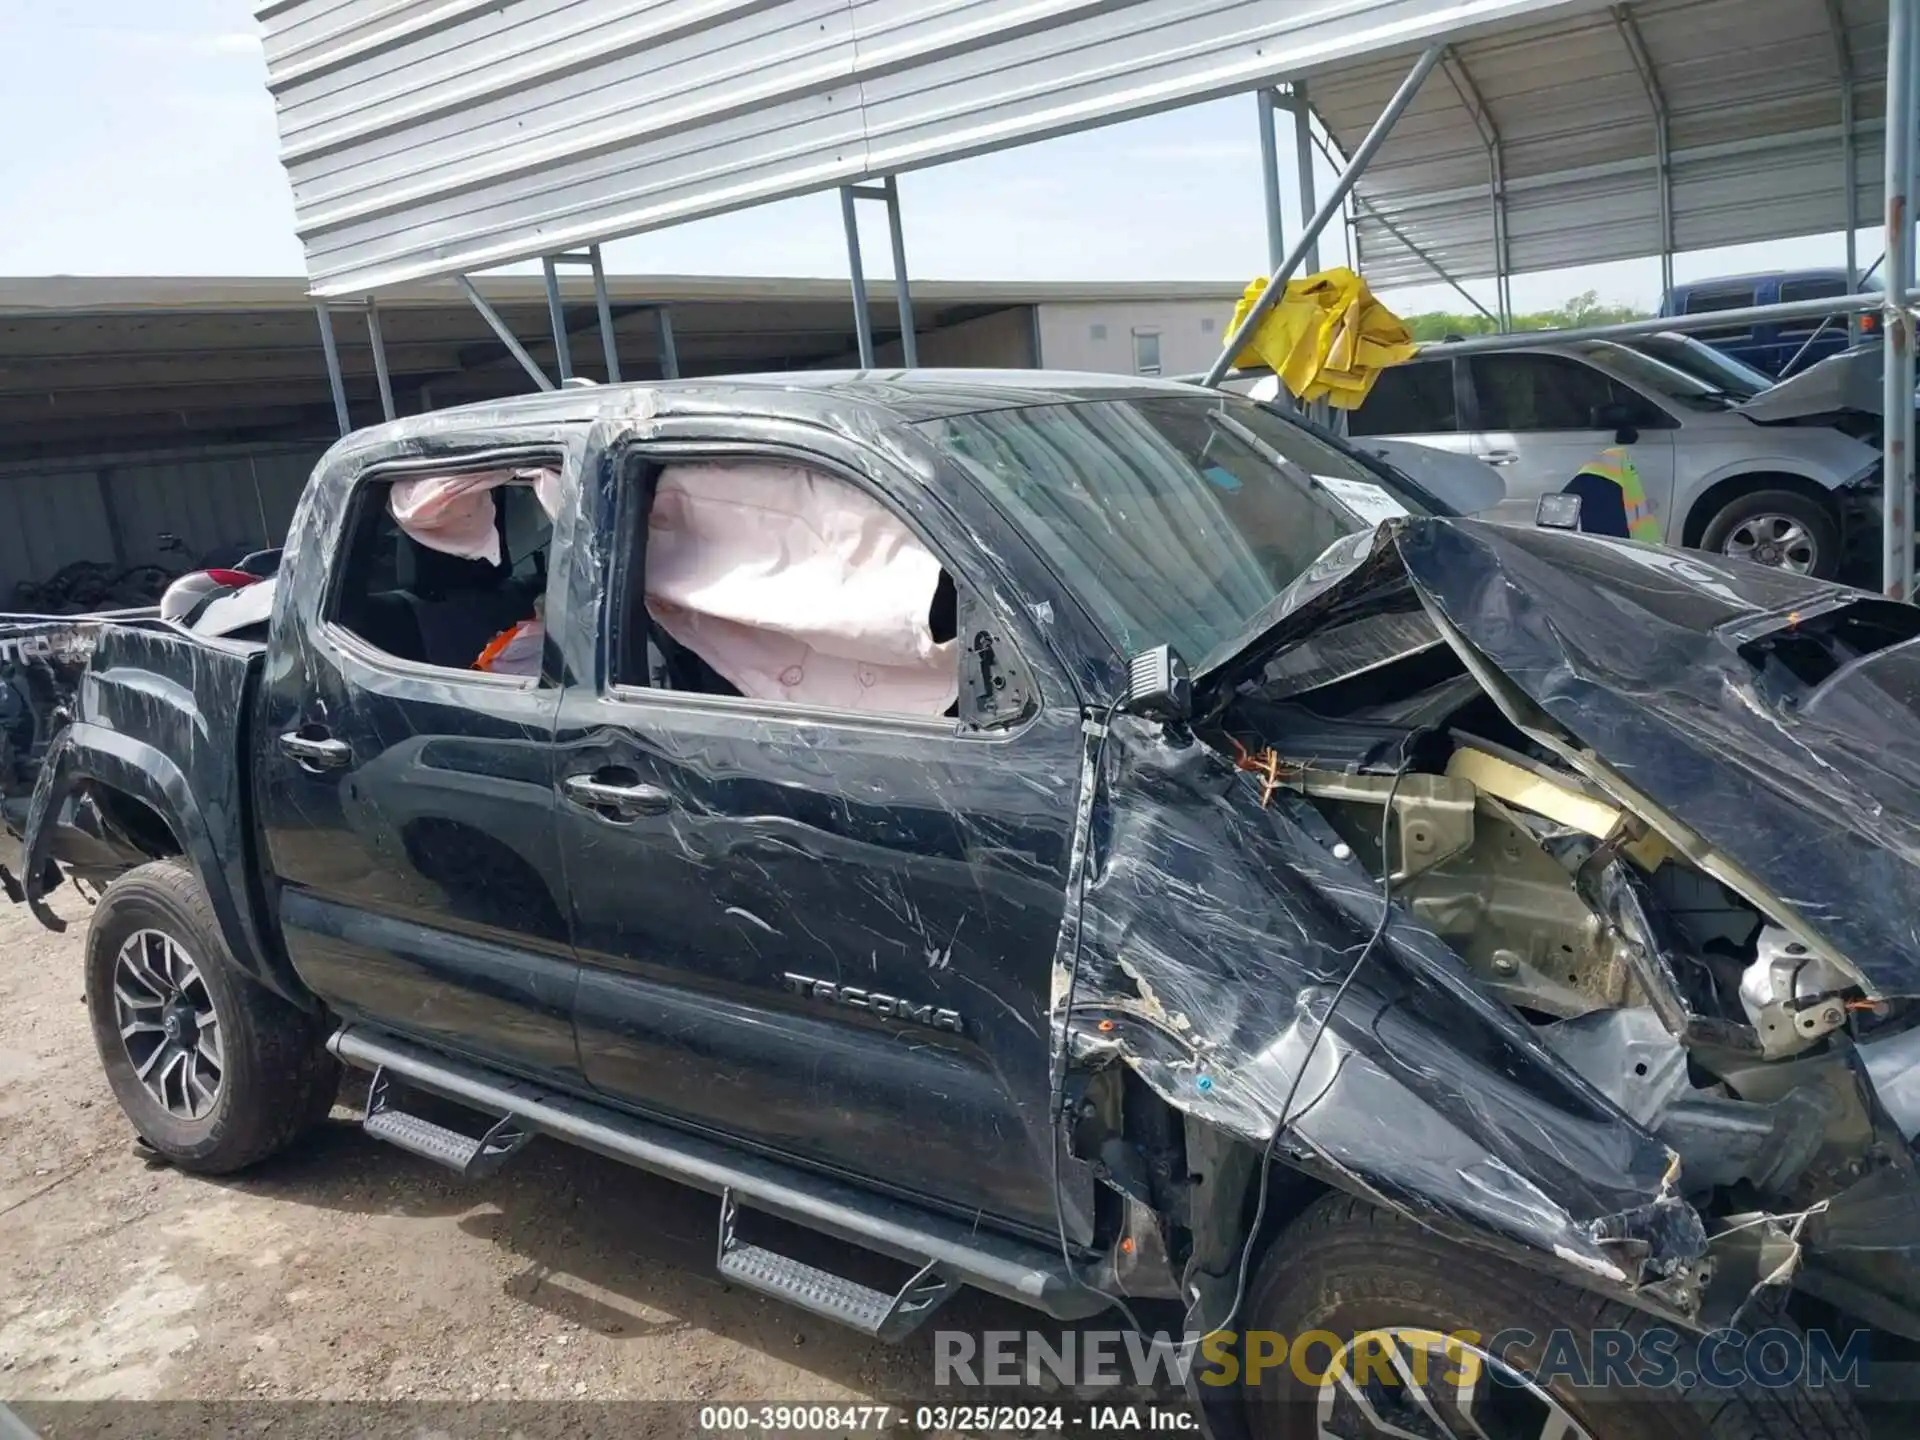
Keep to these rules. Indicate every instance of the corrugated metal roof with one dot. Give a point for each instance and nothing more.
(1752, 90)
(429, 137)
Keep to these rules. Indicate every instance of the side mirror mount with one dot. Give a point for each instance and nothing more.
(1619, 419)
(1558, 512)
(1159, 686)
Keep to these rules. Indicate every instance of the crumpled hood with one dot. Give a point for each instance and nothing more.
(1710, 686)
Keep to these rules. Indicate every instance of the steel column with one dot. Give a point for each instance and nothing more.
(1303, 162)
(609, 343)
(902, 288)
(1662, 146)
(379, 342)
(1897, 371)
(504, 334)
(1270, 180)
(1849, 151)
(1455, 69)
(557, 318)
(334, 377)
(862, 321)
(1342, 185)
(669, 356)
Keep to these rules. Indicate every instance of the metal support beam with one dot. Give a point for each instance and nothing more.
(1849, 151)
(1455, 69)
(1343, 184)
(669, 355)
(503, 333)
(1423, 256)
(902, 288)
(1628, 329)
(888, 193)
(1303, 163)
(557, 317)
(1853, 321)
(1897, 369)
(609, 343)
(1270, 180)
(862, 320)
(1662, 134)
(334, 377)
(379, 343)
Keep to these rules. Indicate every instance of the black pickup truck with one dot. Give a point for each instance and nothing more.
(1097, 841)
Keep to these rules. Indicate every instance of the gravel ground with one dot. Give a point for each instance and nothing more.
(349, 1271)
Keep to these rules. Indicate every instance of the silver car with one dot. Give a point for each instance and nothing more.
(1775, 492)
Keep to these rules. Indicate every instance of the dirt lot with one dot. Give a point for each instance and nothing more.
(351, 1271)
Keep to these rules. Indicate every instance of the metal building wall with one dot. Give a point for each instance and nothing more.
(430, 139)
(114, 509)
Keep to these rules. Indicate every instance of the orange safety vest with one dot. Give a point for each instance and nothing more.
(1616, 465)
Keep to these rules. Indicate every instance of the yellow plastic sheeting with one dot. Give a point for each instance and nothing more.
(1327, 338)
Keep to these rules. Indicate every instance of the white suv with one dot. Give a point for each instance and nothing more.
(1775, 493)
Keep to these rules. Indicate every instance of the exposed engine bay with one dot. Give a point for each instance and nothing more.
(1701, 1006)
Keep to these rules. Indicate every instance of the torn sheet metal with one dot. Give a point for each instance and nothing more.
(1216, 934)
(1775, 715)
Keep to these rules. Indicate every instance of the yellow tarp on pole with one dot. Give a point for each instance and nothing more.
(1327, 338)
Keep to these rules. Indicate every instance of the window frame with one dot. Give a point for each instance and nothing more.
(364, 651)
(1159, 366)
(613, 618)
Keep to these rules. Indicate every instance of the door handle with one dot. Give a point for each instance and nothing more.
(1502, 457)
(626, 801)
(316, 752)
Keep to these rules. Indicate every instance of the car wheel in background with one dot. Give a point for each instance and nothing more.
(1780, 528)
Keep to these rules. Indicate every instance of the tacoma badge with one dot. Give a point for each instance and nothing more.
(875, 1003)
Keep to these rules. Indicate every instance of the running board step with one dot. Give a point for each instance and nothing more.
(463, 1154)
(833, 1297)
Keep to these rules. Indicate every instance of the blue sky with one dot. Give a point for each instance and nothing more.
(140, 140)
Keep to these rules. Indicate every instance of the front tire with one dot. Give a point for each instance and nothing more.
(1346, 1268)
(1782, 529)
(215, 1071)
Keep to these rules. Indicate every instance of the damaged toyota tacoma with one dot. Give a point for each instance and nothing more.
(1081, 838)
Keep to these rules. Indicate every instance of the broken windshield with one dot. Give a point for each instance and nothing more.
(1178, 519)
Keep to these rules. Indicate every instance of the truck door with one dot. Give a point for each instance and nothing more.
(407, 798)
(826, 931)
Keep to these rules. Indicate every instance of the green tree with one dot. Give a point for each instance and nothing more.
(1582, 310)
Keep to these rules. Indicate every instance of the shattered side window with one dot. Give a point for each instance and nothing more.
(1177, 520)
(773, 581)
(450, 570)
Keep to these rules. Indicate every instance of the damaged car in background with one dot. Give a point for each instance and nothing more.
(1093, 840)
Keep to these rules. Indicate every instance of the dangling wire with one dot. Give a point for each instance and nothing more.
(1319, 1029)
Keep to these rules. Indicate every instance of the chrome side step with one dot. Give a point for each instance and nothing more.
(963, 1253)
(834, 1297)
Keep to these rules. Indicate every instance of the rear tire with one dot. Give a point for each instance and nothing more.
(215, 1071)
(1782, 529)
(1346, 1268)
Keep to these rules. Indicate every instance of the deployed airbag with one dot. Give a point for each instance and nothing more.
(454, 514)
(796, 586)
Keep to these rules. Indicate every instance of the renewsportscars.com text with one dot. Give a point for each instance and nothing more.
(1654, 1359)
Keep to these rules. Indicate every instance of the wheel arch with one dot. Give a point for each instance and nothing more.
(1710, 501)
(148, 807)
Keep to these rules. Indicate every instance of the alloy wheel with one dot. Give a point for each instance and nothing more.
(1777, 540)
(1408, 1382)
(168, 1024)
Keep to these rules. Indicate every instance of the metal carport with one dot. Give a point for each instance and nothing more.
(435, 141)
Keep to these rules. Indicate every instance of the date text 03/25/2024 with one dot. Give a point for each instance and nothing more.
(936, 1419)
